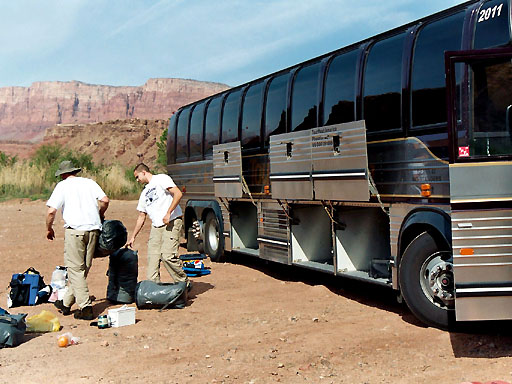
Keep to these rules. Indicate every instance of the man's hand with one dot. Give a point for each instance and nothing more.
(167, 218)
(130, 242)
(50, 235)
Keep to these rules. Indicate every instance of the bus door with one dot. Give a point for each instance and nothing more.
(227, 170)
(480, 115)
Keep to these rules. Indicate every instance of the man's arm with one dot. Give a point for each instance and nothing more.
(138, 226)
(50, 217)
(176, 197)
(103, 205)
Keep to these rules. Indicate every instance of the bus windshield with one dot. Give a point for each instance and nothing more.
(491, 108)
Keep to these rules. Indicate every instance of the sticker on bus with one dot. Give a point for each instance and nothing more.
(463, 151)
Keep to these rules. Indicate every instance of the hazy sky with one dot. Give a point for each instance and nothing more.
(125, 42)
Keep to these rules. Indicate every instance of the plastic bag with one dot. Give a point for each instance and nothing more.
(112, 237)
(67, 339)
(43, 322)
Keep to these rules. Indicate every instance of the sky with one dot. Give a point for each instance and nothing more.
(126, 42)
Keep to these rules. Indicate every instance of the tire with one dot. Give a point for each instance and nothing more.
(426, 282)
(213, 241)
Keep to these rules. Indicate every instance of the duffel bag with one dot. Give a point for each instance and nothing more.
(161, 295)
(12, 329)
(122, 276)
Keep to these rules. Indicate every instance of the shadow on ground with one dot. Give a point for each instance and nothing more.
(485, 339)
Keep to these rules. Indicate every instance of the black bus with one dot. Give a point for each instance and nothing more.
(387, 161)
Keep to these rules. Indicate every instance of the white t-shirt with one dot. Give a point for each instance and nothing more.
(78, 197)
(155, 199)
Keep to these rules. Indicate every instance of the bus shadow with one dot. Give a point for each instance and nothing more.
(489, 339)
(367, 294)
(482, 339)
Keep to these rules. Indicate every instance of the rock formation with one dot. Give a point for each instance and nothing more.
(126, 142)
(26, 112)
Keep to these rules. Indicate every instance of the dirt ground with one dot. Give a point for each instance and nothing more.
(246, 322)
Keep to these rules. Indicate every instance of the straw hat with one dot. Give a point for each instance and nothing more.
(66, 166)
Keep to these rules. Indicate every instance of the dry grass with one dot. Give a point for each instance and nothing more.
(24, 180)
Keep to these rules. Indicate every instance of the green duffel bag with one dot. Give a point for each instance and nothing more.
(12, 329)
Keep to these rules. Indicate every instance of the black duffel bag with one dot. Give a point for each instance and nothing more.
(163, 295)
(112, 237)
(12, 329)
(123, 270)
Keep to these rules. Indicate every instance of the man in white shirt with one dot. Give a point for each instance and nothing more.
(160, 200)
(83, 204)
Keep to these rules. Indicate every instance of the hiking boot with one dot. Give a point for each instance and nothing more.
(66, 311)
(84, 314)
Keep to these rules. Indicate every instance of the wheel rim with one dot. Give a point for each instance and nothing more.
(437, 283)
(213, 236)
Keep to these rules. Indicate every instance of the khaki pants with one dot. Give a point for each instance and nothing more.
(163, 247)
(79, 249)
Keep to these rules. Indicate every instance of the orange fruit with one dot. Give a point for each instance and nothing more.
(63, 341)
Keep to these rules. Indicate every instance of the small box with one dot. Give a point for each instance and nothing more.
(119, 317)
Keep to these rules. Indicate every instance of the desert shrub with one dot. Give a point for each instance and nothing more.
(6, 160)
(161, 158)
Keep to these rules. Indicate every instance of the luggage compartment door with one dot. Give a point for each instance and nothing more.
(227, 170)
(290, 166)
(340, 162)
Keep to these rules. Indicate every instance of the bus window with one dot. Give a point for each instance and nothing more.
(182, 135)
(275, 107)
(171, 140)
(196, 131)
(383, 85)
(305, 98)
(339, 98)
(491, 133)
(212, 127)
(428, 81)
(492, 28)
(230, 117)
(251, 116)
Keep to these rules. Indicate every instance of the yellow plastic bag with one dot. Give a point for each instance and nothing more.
(43, 322)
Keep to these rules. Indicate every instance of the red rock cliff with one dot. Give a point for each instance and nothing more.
(26, 112)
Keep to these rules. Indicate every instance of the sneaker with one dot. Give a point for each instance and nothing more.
(189, 285)
(84, 314)
(66, 311)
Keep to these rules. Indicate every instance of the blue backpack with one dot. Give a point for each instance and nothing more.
(25, 287)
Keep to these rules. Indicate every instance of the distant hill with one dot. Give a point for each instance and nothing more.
(26, 112)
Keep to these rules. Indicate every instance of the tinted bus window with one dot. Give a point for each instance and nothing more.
(492, 28)
(383, 85)
(251, 116)
(230, 117)
(196, 131)
(275, 107)
(171, 140)
(339, 100)
(305, 98)
(182, 135)
(428, 80)
(212, 126)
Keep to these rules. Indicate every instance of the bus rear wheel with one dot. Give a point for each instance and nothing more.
(426, 282)
(212, 238)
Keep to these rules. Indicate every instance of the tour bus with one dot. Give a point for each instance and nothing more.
(388, 161)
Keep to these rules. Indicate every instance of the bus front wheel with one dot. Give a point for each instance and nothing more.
(212, 242)
(426, 282)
